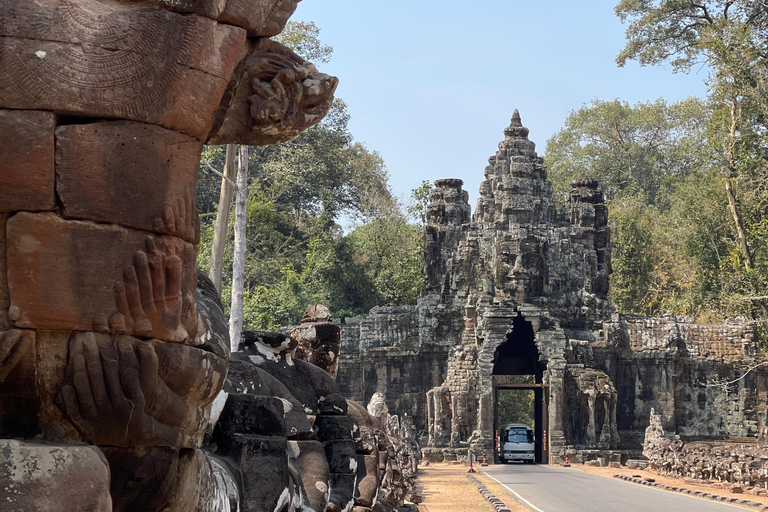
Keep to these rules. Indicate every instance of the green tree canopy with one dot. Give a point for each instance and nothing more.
(674, 245)
(298, 193)
(631, 149)
(730, 37)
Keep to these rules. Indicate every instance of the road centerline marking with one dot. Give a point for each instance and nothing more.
(530, 505)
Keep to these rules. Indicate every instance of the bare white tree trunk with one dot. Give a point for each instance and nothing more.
(238, 266)
(222, 218)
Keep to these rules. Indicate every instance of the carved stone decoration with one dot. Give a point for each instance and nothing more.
(104, 107)
(26, 169)
(5, 295)
(448, 216)
(120, 391)
(213, 329)
(14, 344)
(316, 313)
(319, 339)
(131, 174)
(276, 96)
(595, 424)
(19, 405)
(183, 480)
(313, 467)
(208, 8)
(154, 66)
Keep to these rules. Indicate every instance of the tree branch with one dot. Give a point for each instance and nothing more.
(218, 173)
(748, 299)
(703, 8)
(724, 384)
(727, 6)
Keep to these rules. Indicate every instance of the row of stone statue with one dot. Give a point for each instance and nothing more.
(741, 463)
(278, 436)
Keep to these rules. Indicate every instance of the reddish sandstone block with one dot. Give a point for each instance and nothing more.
(82, 276)
(133, 174)
(262, 18)
(26, 166)
(5, 298)
(99, 59)
(51, 363)
(208, 8)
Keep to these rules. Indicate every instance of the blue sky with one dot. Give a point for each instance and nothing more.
(431, 85)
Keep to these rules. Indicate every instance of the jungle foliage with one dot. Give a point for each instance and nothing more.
(299, 194)
(687, 182)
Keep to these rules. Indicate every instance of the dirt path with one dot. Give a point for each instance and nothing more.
(445, 488)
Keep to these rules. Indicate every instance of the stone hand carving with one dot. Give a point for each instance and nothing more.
(277, 96)
(149, 299)
(115, 394)
(180, 218)
(13, 345)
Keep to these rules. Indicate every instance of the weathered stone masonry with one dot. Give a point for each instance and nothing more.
(521, 266)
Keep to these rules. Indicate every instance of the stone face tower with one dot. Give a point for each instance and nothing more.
(519, 251)
(520, 277)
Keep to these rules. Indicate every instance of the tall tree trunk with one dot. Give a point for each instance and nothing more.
(740, 233)
(222, 218)
(732, 205)
(238, 266)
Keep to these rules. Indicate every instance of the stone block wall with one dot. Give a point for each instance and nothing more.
(673, 365)
(383, 353)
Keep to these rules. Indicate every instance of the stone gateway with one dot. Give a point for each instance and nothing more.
(521, 289)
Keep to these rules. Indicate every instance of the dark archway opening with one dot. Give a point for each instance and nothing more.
(519, 355)
(516, 366)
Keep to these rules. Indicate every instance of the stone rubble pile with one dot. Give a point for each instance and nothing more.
(741, 463)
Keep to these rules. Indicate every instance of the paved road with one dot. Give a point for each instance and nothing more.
(558, 489)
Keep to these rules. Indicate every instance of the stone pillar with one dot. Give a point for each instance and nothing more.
(459, 419)
(440, 408)
(556, 370)
(431, 419)
(485, 409)
(591, 426)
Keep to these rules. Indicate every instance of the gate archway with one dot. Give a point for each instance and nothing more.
(517, 367)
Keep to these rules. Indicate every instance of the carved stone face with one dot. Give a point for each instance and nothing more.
(278, 96)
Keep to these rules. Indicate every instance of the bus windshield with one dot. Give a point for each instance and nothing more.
(519, 435)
